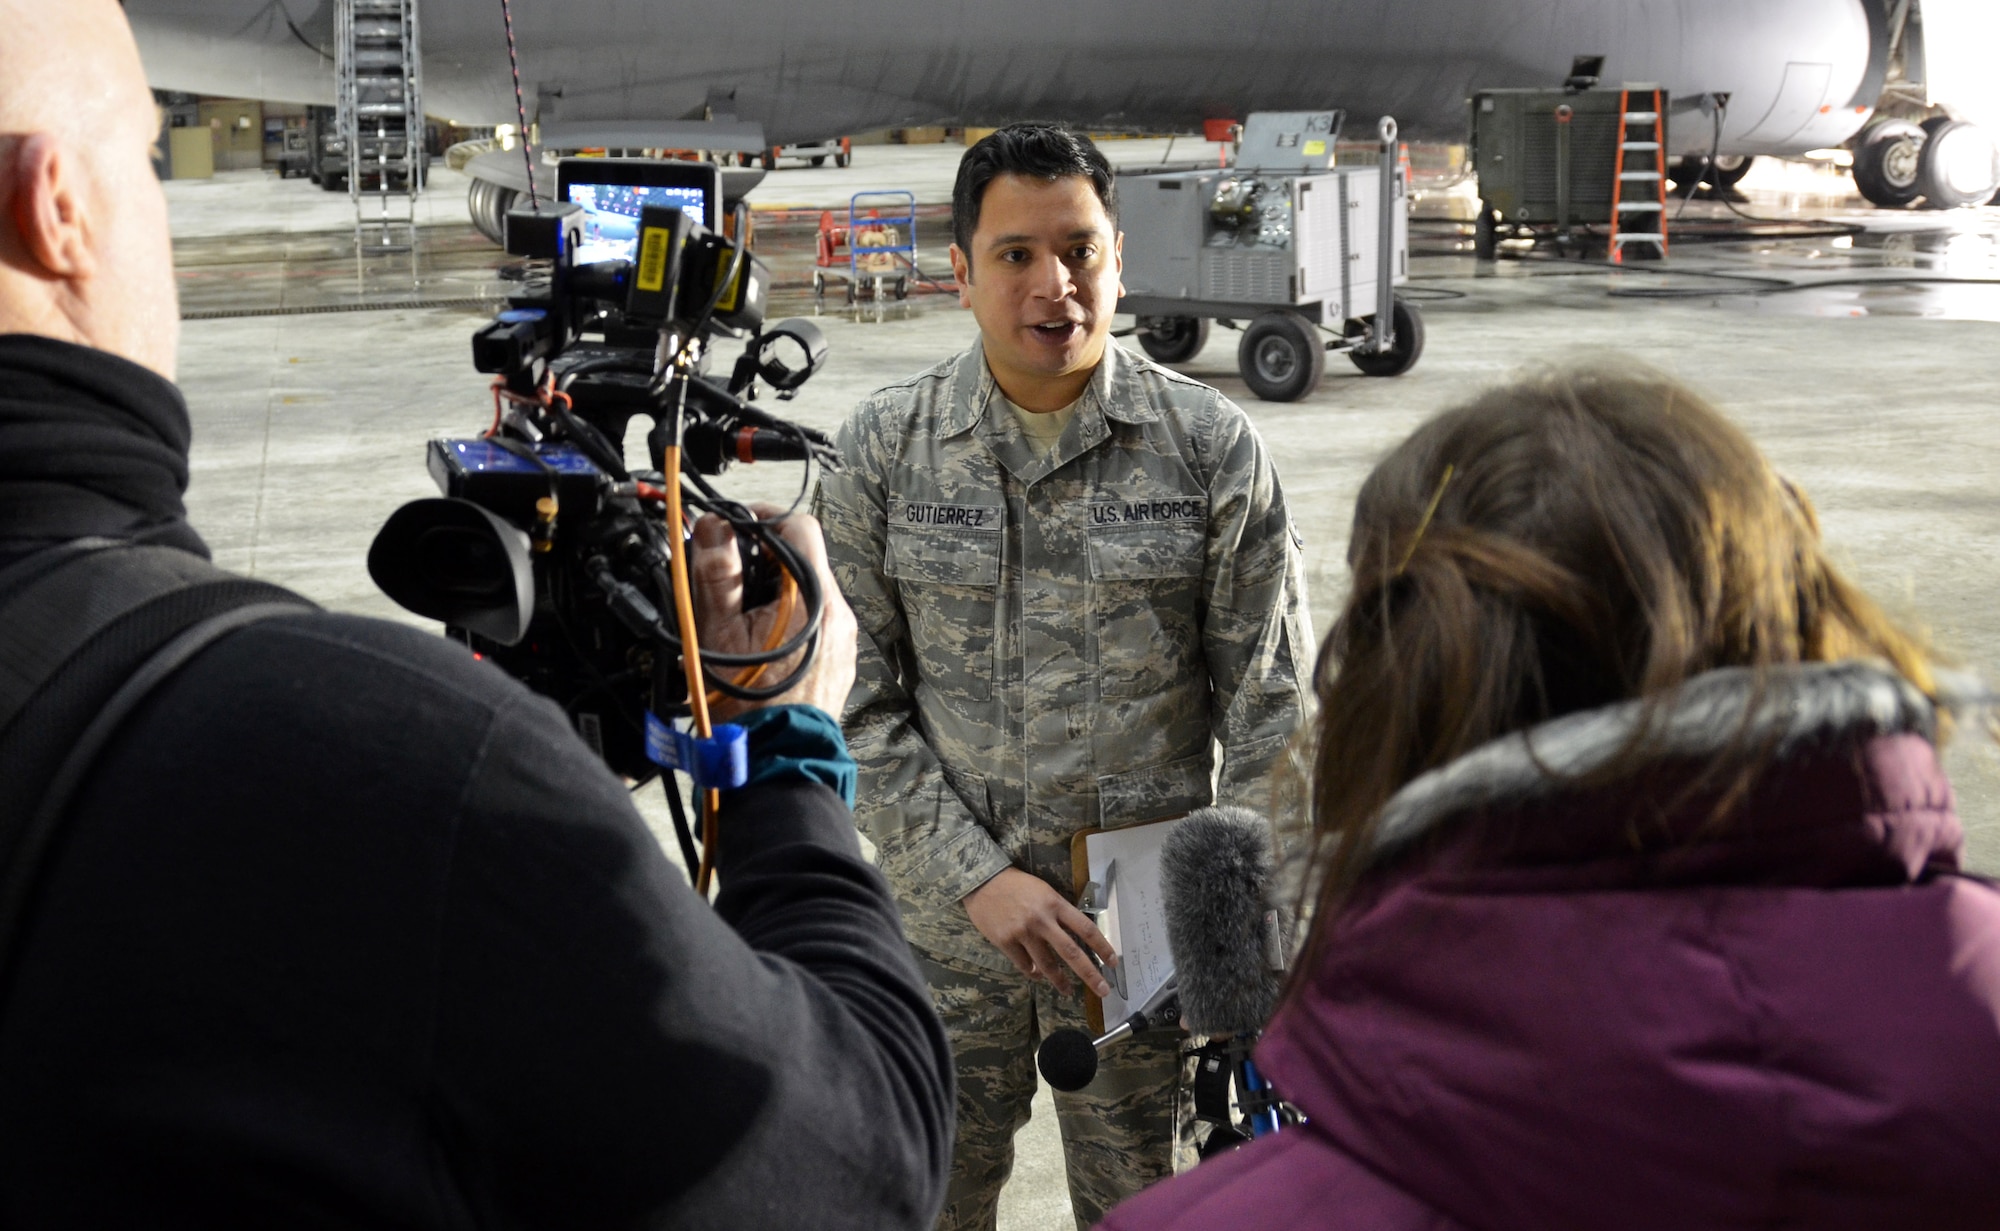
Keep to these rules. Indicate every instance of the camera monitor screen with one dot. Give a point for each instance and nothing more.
(612, 191)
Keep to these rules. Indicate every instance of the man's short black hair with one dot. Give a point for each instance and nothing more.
(1044, 151)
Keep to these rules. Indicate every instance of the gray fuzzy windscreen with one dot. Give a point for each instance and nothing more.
(1215, 878)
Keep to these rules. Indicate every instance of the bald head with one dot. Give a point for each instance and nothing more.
(84, 251)
(65, 67)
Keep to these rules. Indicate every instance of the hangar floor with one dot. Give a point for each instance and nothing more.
(1876, 392)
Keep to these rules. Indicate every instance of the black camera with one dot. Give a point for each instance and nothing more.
(547, 555)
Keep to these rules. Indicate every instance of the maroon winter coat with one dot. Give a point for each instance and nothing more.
(1558, 1007)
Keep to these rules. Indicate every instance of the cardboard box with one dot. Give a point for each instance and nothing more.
(193, 152)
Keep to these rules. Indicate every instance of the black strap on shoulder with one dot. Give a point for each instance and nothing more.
(87, 631)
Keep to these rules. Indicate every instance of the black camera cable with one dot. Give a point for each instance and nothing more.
(806, 638)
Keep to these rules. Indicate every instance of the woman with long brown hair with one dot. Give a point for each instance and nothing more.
(1634, 872)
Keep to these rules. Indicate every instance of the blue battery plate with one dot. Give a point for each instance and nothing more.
(485, 457)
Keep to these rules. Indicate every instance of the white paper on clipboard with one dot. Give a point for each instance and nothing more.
(1134, 921)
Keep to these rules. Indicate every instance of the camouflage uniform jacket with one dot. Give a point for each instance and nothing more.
(1052, 641)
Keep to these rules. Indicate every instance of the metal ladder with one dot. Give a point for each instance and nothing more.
(1649, 186)
(379, 110)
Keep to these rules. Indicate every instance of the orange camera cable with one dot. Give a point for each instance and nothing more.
(690, 656)
(789, 596)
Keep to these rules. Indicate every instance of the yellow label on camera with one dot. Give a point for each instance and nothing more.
(729, 298)
(653, 258)
(1314, 148)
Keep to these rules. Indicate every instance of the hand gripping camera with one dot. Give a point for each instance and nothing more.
(549, 557)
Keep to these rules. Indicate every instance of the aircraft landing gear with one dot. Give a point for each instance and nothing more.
(1958, 164)
(1886, 159)
(1944, 163)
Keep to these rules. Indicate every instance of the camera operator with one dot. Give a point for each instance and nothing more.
(345, 928)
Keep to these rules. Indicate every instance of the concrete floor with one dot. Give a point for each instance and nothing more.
(1880, 399)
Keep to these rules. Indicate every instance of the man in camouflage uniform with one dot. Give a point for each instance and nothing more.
(1074, 575)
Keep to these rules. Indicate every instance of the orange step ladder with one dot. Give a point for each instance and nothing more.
(1647, 208)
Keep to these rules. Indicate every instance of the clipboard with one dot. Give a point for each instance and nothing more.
(1129, 907)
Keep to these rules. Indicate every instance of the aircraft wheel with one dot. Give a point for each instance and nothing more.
(1281, 357)
(1887, 158)
(1406, 350)
(1173, 339)
(1685, 171)
(1730, 170)
(1958, 165)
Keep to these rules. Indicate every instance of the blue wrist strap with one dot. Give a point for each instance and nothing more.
(791, 743)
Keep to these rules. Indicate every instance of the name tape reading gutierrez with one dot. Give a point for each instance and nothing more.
(962, 516)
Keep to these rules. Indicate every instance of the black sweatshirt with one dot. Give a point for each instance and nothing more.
(349, 930)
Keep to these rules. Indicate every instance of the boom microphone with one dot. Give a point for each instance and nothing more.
(1068, 1057)
(1228, 941)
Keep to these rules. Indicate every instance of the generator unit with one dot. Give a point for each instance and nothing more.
(1302, 250)
(1549, 161)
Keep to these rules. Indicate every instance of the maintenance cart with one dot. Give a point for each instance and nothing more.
(1561, 164)
(1307, 253)
(881, 249)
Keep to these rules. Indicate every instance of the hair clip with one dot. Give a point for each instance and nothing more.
(1437, 498)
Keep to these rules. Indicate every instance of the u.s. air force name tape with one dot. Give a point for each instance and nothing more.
(721, 761)
(1148, 512)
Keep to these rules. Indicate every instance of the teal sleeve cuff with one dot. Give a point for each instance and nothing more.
(792, 743)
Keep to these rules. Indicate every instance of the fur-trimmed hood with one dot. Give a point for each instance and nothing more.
(1781, 713)
(1784, 709)
(1788, 1018)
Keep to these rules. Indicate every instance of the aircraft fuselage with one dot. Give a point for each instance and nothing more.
(1801, 73)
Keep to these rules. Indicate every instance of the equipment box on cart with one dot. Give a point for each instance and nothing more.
(1305, 252)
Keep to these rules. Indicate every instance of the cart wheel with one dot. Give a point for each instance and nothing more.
(1403, 355)
(1173, 339)
(1281, 357)
(850, 294)
(842, 159)
(770, 160)
(819, 286)
(819, 160)
(902, 287)
(1485, 236)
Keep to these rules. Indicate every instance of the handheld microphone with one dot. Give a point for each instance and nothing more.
(1228, 941)
(1068, 1057)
